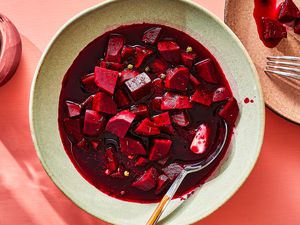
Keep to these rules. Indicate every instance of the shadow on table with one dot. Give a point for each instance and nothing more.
(27, 194)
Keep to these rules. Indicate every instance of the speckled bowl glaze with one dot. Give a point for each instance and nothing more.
(203, 26)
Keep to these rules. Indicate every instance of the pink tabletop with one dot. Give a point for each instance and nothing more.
(271, 195)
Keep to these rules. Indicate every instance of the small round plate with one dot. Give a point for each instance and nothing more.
(281, 94)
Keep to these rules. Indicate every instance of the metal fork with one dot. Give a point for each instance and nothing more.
(285, 66)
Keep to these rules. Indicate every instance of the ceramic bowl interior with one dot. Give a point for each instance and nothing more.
(201, 25)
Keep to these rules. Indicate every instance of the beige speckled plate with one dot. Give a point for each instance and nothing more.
(281, 94)
(200, 24)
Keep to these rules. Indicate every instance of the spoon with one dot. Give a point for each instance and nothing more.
(191, 168)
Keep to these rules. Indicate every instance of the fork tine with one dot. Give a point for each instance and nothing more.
(281, 73)
(292, 58)
(284, 68)
(283, 63)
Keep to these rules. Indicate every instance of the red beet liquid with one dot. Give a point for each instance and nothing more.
(265, 8)
(90, 163)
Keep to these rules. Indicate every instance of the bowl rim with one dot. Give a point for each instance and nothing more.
(235, 39)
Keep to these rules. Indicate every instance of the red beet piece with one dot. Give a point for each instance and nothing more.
(130, 146)
(181, 119)
(147, 128)
(141, 162)
(111, 161)
(88, 83)
(163, 121)
(120, 123)
(140, 110)
(188, 58)
(170, 51)
(106, 79)
(127, 52)
(158, 86)
(273, 29)
(162, 162)
(83, 144)
(103, 102)
(127, 75)
(221, 94)
(202, 97)
(73, 127)
(157, 66)
(95, 144)
(141, 54)
(175, 101)
(230, 111)
(151, 36)
(114, 47)
(112, 65)
(177, 79)
(200, 142)
(94, 123)
(156, 103)
(172, 170)
(288, 12)
(206, 71)
(121, 98)
(162, 183)
(87, 103)
(74, 109)
(194, 81)
(139, 86)
(160, 149)
(147, 181)
(297, 27)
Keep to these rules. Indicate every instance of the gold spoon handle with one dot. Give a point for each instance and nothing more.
(158, 211)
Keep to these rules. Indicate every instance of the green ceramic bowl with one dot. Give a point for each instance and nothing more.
(207, 29)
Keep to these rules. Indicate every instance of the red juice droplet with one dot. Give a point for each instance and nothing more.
(246, 100)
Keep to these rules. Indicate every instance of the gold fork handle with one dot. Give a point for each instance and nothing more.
(157, 212)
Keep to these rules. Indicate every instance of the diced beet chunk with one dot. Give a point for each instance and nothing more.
(141, 54)
(162, 162)
(175, 101)
(129, 146)
(139, 86)
(158, 86)
(297, 27)
(147, 181)
(206, 71)
(170, 51)
(163, 121)
(127, 52)
(288, 12)
(111, 161)
(112, 65)
(177, 79)
(95, 144)
(160, 149)
(121, 98)
(141, 161)
(106, 79)
(162, 183)
(83, 144)
(156, 103)
(221, 94)
(181, 118)
(157, 66)
(273, 29)
(94, 123)
(73, 127)
(202, 97)
(188, 58)
(151, 36)
(88, 83)
(127, 75)
(141, 111)
(200, 142)
(114, 47)
(194, 81)
(147, 128)
(103, 102)
(230, 111)
(172, 170)
(88, 102)
(74, 109)
(120, 123)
